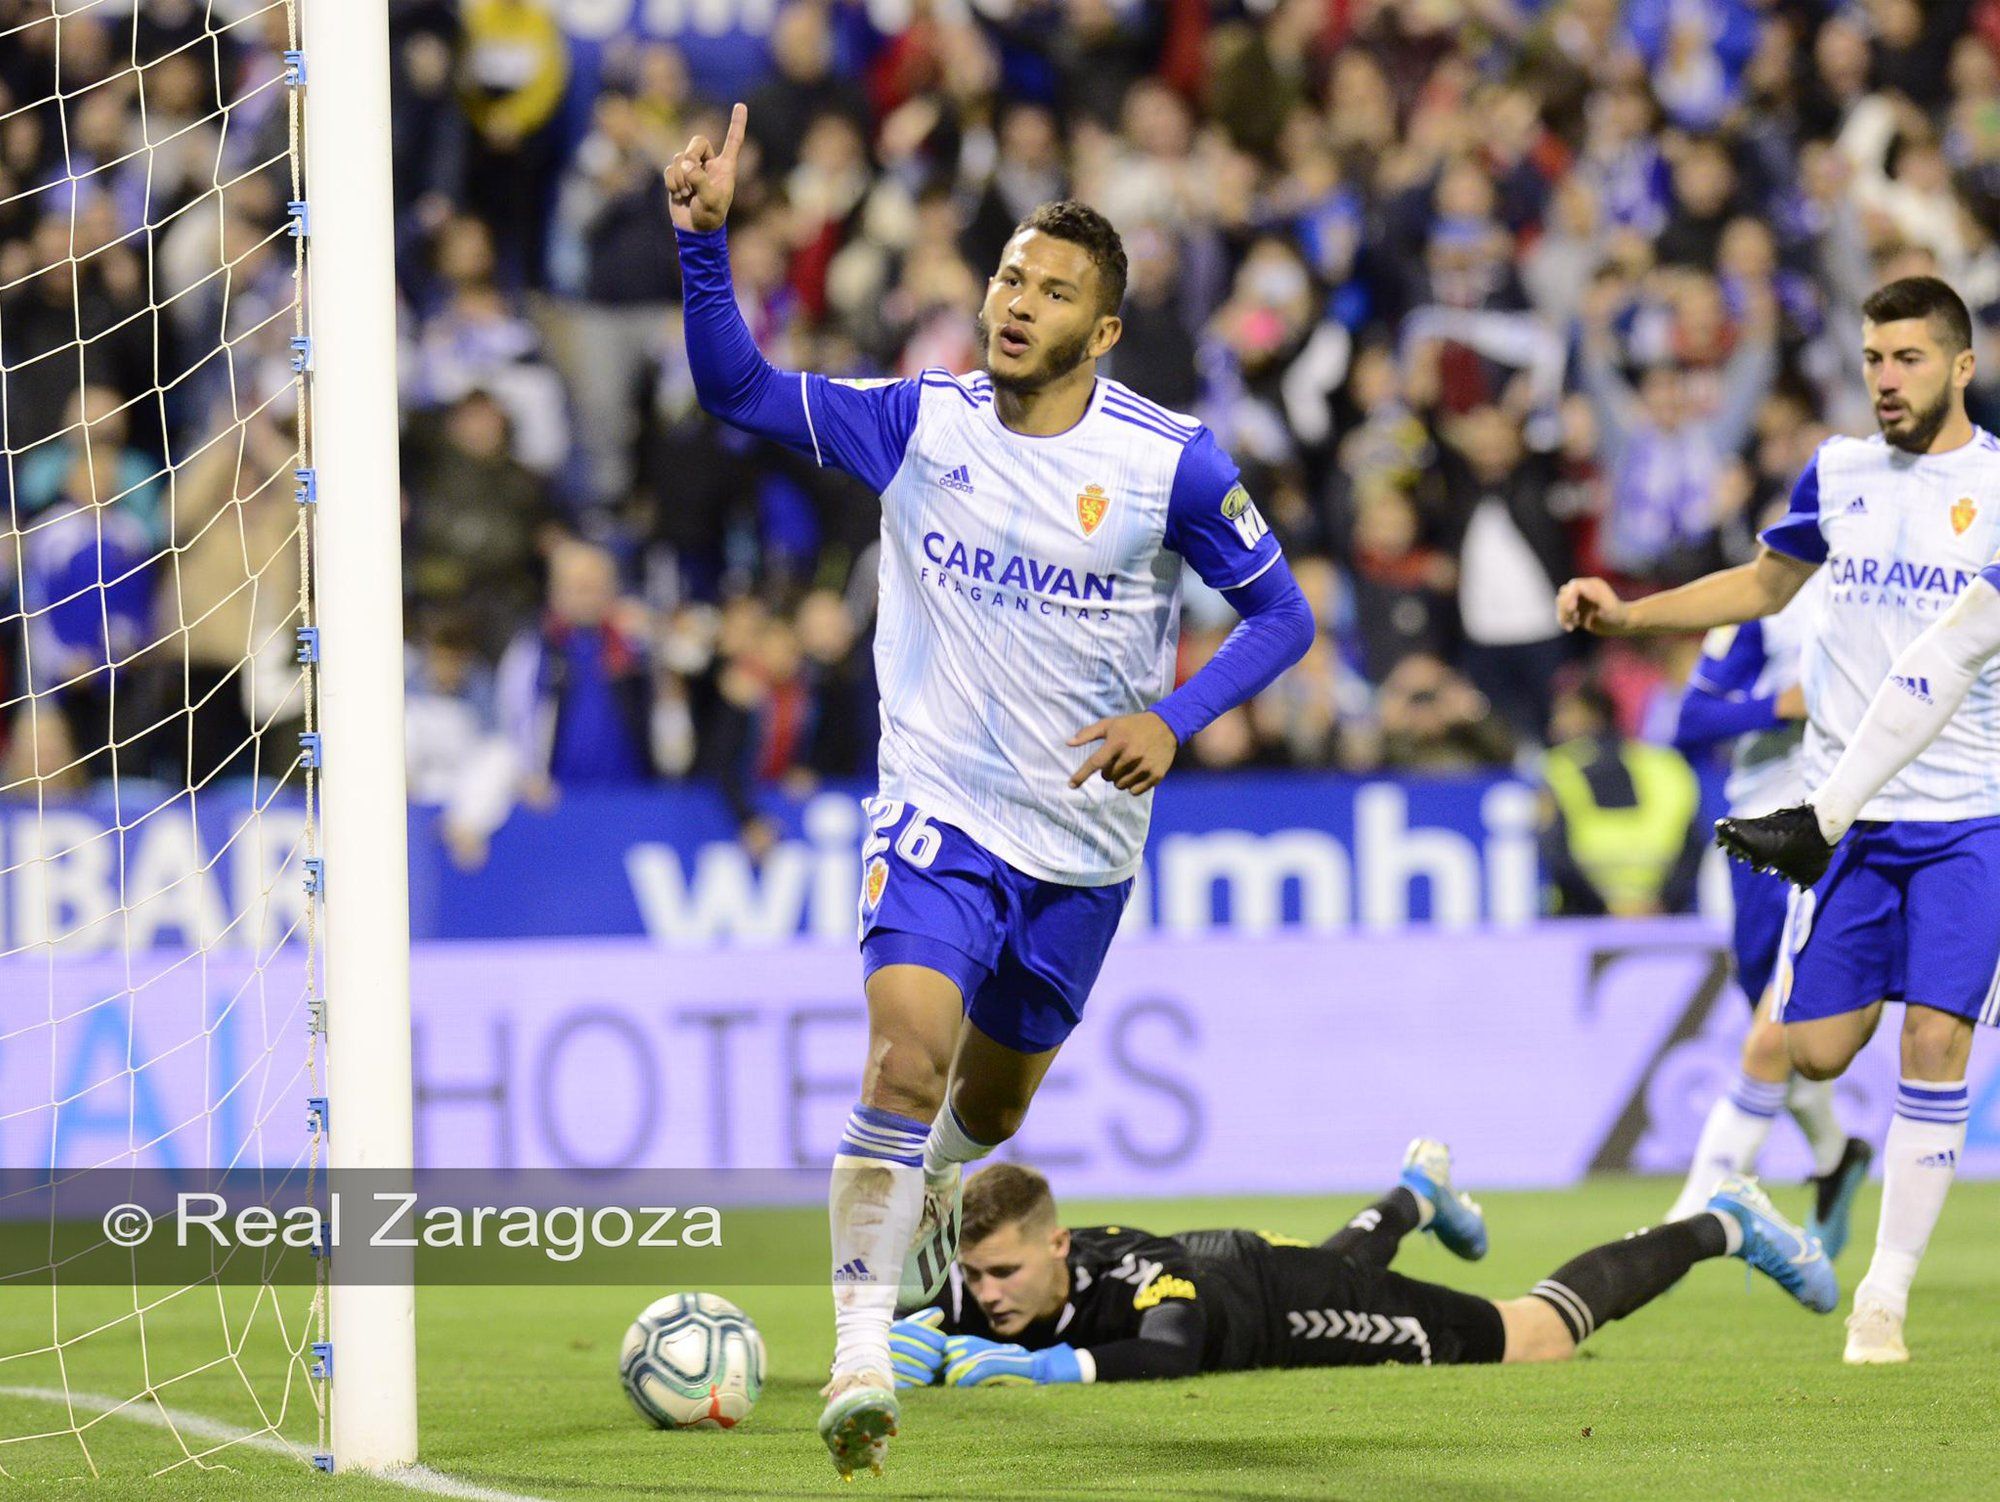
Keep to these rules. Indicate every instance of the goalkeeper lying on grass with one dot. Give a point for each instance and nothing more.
(1032, 1301)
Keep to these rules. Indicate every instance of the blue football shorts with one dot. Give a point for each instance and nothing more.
(1760, 900)
(1908, 911)
(1023, 952)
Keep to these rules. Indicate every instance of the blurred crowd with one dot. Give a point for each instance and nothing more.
(1479, 293)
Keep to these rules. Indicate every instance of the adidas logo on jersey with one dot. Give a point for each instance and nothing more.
(959, 479)
(1856, 507)
(1917, 688)
(853, 1272)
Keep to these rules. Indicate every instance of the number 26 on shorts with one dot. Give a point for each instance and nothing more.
(918, 844)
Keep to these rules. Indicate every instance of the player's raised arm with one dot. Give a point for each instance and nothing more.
(860, 428)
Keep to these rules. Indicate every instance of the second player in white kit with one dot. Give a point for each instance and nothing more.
(1909, 908)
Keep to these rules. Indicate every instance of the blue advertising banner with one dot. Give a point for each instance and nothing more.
(1248, 853)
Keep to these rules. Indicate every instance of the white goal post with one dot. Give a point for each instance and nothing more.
(204, 915)
(351, 293)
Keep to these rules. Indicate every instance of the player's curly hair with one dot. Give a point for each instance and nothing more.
(1925, 297)
(1005, 1194)
(1080, 224)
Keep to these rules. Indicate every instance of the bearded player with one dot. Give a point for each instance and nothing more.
(1034, 1301)
(1906, 911)
(1034, 522)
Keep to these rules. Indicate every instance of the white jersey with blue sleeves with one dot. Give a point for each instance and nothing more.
(1899, 536)
(1760, 660)
(1029, 587)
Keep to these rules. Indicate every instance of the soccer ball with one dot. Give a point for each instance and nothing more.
(693, 1361)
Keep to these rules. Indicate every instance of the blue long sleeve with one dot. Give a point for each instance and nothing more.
(1275, 632)
(1722, 701)
(861, 427)
(1707, 717)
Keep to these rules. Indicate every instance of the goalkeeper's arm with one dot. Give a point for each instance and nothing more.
(1926, 684)
(1168, 1345)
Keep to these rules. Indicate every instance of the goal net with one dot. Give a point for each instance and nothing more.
(160, 1003)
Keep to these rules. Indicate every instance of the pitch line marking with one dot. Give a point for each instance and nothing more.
(416, 1478)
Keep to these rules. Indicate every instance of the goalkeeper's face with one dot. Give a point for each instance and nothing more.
(1043, 315)
(1018, 1274)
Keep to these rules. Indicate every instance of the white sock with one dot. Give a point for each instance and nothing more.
(1731, 1138)
(1811, 1105)
(949, 1143)
(876, 1197)
(1919, 1161)
(1732, 1233)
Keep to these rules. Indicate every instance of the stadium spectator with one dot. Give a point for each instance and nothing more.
(1513, 556)
(804, 88)
(480, 523)
(1621, 832)
(456, 756)
(575, 691)
(1664, 452)
(479, 336)
(1435, 721)
(513, 68)
(614, 264)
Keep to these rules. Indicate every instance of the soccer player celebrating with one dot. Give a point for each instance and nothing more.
(1031, 518)
(1902, 523)
(1746, 690)
(1033, 1301)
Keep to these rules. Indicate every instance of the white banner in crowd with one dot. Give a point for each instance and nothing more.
(1212, 1066)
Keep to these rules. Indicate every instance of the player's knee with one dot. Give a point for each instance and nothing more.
(1819, 1053)
(985, 1119)
(1816, 1062)
(905, 1077)
(1764, 1051)
(1935, 1044)
(1534, 1331)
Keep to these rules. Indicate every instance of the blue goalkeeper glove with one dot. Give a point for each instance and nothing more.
(916, 1346)
(972, 1362)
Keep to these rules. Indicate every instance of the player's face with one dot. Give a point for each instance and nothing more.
(1040, 320)
(1914, 382)
(1017, 1275)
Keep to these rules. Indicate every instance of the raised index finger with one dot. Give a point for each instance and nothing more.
(739, 120)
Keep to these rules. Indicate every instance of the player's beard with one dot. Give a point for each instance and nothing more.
(1058, 360)
(1924, 424)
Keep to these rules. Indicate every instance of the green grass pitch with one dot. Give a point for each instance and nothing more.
(1718, 1391)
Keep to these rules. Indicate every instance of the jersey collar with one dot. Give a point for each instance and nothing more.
(990, 412)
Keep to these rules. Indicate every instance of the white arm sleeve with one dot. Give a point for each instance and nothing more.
(1927, 683)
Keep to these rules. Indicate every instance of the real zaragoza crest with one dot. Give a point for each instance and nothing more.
(1090, 508)
(1962, 513)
